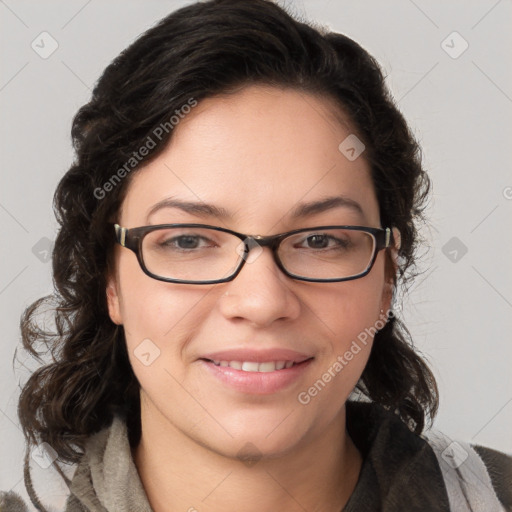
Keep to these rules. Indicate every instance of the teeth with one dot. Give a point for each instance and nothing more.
(266, 367)
(252, 366)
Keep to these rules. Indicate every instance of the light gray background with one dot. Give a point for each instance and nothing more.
(459, 312)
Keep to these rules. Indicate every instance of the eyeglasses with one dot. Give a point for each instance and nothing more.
(202, 254)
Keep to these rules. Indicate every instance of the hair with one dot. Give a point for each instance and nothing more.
(203, 50)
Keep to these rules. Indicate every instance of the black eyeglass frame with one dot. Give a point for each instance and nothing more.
(132, 239)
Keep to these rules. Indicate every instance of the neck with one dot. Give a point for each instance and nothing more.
(180, 474)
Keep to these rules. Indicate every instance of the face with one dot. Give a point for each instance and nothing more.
(257, 155)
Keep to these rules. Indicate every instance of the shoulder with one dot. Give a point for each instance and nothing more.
(473, 473)
(499, 467)
(428, 471)
(110, 444)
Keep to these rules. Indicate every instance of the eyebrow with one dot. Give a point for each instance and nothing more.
(314, 207)
(201, 209)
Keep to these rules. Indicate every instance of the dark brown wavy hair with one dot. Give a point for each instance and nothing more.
(201, 50)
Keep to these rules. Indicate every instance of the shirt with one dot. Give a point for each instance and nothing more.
(400, 471)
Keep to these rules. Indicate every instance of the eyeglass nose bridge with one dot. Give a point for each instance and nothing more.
(253, 247)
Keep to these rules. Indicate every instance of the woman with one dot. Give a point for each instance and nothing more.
(243, 206)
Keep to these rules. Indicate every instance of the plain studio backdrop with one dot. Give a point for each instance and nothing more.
(447, 64)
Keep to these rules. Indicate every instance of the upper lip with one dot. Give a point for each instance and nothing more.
(258, 356)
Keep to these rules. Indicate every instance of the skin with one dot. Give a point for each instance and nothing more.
(256, 153)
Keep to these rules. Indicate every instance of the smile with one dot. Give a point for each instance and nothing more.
(256, 377)
(252, 366)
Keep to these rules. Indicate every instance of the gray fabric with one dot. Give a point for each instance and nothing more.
(499, 467)
(467, 481)
(107, 480)
(401, 472)
(11, 502)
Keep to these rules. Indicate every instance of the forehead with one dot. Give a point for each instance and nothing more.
(257, 153)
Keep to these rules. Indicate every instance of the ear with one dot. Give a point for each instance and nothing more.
(113, 301)
(397, 238)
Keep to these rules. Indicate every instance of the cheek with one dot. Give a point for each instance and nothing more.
(352, 307)
(349, 314)
(158, 316)
(349, 317)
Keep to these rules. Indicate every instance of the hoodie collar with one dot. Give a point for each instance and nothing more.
(107, 480)
(400, 472)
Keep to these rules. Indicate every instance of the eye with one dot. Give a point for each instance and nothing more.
(317, 241)
(323, 241)
(186, 242)
(182, 242)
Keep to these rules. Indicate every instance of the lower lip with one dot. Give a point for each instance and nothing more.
(261, 383)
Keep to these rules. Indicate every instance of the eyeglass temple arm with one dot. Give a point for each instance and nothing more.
(120, 234)
(392, 238)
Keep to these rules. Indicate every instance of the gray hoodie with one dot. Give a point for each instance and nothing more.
(401, 472)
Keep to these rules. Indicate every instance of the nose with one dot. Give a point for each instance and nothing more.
(260, 294)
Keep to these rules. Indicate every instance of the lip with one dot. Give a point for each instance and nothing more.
(257, 383)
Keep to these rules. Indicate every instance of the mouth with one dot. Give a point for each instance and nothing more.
(256, 377)
(255, 366)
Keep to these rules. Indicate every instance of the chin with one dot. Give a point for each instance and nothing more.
(251, 449)
(268, 434)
